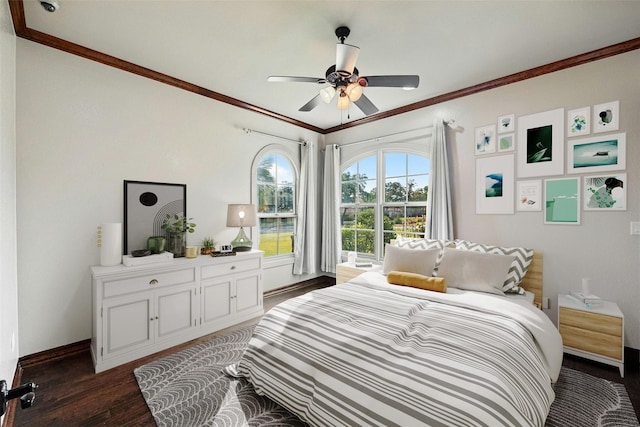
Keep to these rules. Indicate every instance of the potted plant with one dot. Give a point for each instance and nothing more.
(177, 226)
(208, 246)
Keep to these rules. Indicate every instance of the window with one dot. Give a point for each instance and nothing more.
(276, 192)
(373, 211)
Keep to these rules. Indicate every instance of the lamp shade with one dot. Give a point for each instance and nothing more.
(241, 216)
(343, 101)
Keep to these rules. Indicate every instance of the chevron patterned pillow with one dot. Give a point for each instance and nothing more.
(406, 242)
(518, 268)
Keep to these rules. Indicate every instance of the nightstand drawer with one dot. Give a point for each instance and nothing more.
(591, 341)
(591, 321)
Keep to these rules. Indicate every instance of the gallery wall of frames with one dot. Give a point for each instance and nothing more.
(558, 162)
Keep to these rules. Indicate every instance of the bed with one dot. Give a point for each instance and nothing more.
(370, 352)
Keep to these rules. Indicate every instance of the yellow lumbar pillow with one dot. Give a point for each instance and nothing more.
(436, 284)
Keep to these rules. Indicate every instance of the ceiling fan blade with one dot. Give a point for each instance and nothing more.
(315, 101)
(406, 82)
(296, 79)
(346, 57)
(366, 105)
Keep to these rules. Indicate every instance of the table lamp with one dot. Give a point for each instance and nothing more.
(241, 216)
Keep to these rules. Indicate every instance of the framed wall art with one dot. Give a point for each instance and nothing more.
(506, 142)
(485, 139)
(578, 122)
(597, 154)
(605, 192)
(506, 123)
(541, 144)
(605, 117)
(146, 205)
(562, 201)
(529, 195)
(495, 184)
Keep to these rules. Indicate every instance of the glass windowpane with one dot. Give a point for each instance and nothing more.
(367, 168)
(348, 191)
(417, 164)
(395, 164)
(266, 198)
(266, 169)
(395, 190)
(417, 188)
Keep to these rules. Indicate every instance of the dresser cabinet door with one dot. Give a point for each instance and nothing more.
(126, 324)
(175, 311)
(216, 300)
(248, 293)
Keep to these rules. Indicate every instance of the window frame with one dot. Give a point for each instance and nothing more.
(380, 204)
(293, 160)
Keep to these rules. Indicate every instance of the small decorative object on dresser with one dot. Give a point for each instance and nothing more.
(156, 244)
(177, 226)
(595, 333)
(208, 246)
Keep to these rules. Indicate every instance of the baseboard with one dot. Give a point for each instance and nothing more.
(320, 280)
(54, 354)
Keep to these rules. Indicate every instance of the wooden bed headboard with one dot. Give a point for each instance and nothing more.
(532, 281)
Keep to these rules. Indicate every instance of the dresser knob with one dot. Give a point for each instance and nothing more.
(153, 282)
(233, 267)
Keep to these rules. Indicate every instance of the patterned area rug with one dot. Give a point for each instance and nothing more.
(189, 388)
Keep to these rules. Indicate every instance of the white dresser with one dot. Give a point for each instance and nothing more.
(139, 310)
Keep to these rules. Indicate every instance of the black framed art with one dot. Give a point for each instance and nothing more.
(146, 205)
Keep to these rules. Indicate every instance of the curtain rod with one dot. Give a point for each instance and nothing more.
(378, 138)
(250, 131)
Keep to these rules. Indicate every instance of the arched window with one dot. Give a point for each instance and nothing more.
(276, 179)
(384, 196)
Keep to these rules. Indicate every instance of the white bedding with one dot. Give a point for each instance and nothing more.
(371, 353)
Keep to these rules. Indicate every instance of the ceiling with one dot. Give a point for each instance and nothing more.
(231, 47)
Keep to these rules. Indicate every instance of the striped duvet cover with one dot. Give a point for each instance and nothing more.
(369, 353)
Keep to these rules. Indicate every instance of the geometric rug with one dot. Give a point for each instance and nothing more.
(188, 388)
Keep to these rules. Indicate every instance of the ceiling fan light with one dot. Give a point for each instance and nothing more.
(327, 94)
(354, 91)
(343, 101)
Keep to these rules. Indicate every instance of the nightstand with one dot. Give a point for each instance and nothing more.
(596, 333)
(347, 271)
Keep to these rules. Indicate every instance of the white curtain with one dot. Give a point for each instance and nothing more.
(439, 222)
(331, 241)
(304, 248)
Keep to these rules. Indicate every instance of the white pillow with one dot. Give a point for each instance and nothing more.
(474, 271)
(411, 243)
(419, 261)
(519, 266)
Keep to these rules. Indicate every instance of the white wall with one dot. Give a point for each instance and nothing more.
(601, 247)
(8, 272)
(81, 132)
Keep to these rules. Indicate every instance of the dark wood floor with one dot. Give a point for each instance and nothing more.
(71, 394)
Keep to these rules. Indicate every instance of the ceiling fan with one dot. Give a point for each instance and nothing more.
(345, 81)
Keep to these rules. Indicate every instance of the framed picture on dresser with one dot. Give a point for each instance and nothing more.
(146, 205)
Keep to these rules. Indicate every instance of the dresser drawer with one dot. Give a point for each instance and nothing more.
(235, 266)
(591, 321)
(112, 288)
(591, 341)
